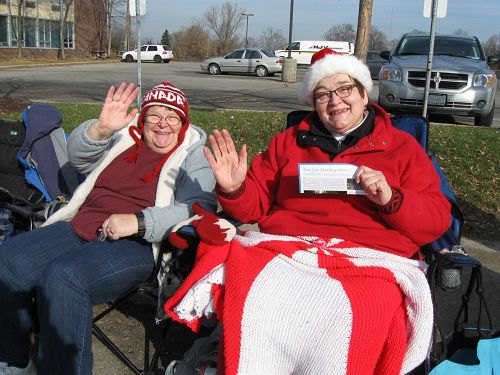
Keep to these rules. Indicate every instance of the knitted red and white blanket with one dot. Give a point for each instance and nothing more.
(308, 305)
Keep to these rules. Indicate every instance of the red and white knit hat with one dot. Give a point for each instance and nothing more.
(166, 95)
(326, 63)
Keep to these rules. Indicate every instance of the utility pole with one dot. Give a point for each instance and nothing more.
(139, 70)
(246, 34)
(364, 29)
(428, 75)
(289, 73)
(290, 31)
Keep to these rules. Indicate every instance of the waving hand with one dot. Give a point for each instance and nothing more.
(229, 166)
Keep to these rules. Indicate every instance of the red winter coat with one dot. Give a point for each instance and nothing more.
(271, 196)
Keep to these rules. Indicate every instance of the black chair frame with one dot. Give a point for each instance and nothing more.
(147, 288)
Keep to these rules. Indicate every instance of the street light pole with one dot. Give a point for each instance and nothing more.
(246, 34)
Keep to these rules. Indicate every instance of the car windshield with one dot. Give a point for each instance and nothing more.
(449, 46)
(267, 53)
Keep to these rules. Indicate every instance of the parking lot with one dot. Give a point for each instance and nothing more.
(88, 83)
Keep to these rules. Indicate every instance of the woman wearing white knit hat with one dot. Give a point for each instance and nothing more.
(328, 285)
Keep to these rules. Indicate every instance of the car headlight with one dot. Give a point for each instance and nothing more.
(390, 74)
(483, 79)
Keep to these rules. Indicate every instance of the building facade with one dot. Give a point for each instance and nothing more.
(39, 22)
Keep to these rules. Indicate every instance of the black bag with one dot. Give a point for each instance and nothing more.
(12, 134)
(460, 345)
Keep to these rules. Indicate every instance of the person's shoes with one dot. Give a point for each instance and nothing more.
(5, 369)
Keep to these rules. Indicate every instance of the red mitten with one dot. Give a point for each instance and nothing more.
(210, 228)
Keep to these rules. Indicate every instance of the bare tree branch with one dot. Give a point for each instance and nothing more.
(224, 21)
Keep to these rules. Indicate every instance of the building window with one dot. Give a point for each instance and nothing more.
(36, 32)
(4, 31)
(30, 32)
(13, 32)
(55, 41)
(30, 5)
(43, 34)
(68, 36)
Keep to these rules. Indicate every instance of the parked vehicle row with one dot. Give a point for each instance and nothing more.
(461, 83)
(245, 60)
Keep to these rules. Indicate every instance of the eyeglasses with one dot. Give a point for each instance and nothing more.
(170, 120)
(326, 96)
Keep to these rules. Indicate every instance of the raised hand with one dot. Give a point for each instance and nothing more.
(229, 167)
(115, 113)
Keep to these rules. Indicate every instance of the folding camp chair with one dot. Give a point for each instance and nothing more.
(170, 270)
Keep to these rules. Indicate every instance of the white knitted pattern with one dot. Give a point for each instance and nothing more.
(328, 66)
(198, 301)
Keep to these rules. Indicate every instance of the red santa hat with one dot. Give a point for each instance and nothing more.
(166, 95)
(326, 63)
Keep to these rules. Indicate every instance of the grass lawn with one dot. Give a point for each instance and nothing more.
(470, 156)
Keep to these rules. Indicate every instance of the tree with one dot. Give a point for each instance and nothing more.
(66, 5)
(224, 21)
(165, 38)
(98, 15)
(364, 25)
(192, 42)
(460, 32)
(492, 45)
(378, 40)
(272, 39)
(18, 26)
(344, 32)
(418, 32)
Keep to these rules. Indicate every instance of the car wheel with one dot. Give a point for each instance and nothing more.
(129, 58)
(157, 59)
(214, 69)
(261, 71)
(487, 119)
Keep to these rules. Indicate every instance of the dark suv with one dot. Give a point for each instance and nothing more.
(461, 81)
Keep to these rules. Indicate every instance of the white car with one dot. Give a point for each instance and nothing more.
(152, 52)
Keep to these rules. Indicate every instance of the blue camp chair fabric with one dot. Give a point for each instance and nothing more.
(43, 154)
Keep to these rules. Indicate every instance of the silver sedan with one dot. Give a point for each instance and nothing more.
(245, 60)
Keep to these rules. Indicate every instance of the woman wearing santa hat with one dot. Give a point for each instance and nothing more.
(328, 285)
(142, 177)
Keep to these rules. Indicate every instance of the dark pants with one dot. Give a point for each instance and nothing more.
(52, 274)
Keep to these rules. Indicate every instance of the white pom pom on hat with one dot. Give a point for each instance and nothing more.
(326, 63)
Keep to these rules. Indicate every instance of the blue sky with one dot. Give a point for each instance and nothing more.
(312, 18)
